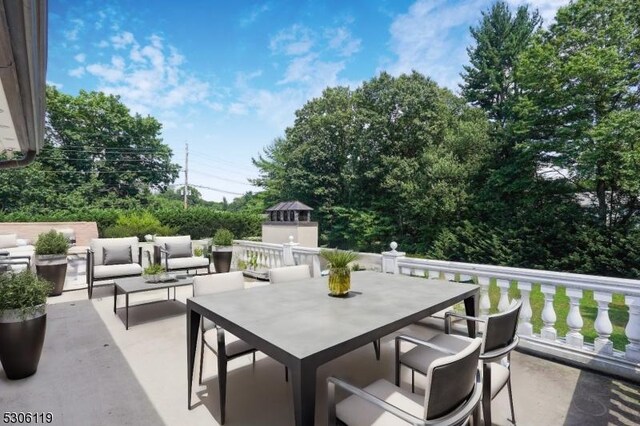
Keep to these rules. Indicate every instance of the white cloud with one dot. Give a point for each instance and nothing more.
(238, 108)
(547, 8)
(80, 57)
(149, 76)
(295, 40)
(77, 72)
(254, 15)
(340, 39)
(103, 44)
(72, 33)
(54, 84)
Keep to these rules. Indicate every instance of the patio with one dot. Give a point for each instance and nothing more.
(93, 371)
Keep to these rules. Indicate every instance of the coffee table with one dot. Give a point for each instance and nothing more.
(132, 285)
(299, 325)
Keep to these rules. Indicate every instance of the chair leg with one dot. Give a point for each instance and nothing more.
(486, 394)
(413, 381)
(513, 412)
(397, 363)
(376, 348)
(201, 357)
(254, 357)
(222, 385)
(286, 373)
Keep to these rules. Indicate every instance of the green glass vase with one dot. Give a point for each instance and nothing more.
(339, 281)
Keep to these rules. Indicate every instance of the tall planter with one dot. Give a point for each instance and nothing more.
(222, 259)
(21, 341)
(53, 268)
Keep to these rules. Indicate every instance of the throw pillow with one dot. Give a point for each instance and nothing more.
(116, 255)
(176, 250)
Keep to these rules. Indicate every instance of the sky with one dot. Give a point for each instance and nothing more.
(226, 77)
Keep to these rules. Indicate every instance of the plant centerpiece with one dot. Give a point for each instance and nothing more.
(339, 270)
(51, 259)
(153, 273)
(23, 322)
(222, 251)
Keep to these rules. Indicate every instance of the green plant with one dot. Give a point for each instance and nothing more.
(52, 242)
(137, 224)
(198, 251)
(338, 258)
(241, 265)
(357, 267)
(154, 269)
(23, 291)
(223, 237)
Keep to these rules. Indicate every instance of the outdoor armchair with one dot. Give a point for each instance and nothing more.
(289, 273)
(214, 337)
(453, 391)
(109, 258)
(498, 340)
(176, 253)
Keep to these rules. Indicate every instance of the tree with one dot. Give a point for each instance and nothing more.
(500, 37)
(579, 112)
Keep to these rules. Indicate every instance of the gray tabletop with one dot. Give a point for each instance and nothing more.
(139, 284)
(302, 320)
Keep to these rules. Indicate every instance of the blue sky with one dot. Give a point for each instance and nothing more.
(228, 76)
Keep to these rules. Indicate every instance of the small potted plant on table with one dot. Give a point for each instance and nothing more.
(23, 322)
(222, 251)
(339, 270)
(153, 273)
(51, 259)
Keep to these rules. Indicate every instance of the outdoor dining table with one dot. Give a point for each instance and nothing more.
(300, 325)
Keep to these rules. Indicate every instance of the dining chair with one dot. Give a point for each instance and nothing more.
(452, 395)
(216, 283)
(499, 338)
(289, 273)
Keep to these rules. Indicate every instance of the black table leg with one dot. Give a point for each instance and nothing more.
(127, 311)
(115, 297)
(168, 293)
(304, 394)
(471, 309)
(193, 321)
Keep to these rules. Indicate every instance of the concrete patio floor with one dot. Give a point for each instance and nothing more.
(94, 372)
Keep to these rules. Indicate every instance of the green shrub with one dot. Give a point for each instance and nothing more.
(138, 224)
(222, 237)
(201, 222)
(52, 242)
(23, 291)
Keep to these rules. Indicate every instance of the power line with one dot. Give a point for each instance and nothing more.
(210, 188)
(220, 178)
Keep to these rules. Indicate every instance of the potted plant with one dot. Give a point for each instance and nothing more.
(51, 259)
(23, 321)
(153, 273)
(221, 251)
(198, 251)
(339, 271)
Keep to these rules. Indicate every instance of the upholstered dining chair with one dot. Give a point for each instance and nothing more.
(289, 273)
(214, 337)
(452, 395)
(499, 338)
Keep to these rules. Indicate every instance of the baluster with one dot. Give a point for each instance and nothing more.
(525, 328)
(574, 319)
(464, 277)
(449, 276)
(633, 328)
(485, 302)
(503, 304)
(603, 325)
(548, 313)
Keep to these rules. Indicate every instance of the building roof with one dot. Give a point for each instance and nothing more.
(289, 206)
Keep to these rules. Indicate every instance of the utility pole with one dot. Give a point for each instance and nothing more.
(186, 174)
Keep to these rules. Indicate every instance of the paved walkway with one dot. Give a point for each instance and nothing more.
(93, 372)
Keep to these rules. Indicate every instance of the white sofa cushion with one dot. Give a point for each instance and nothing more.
(188, 262)
(114, 271)
(98, 243)
(8, 240)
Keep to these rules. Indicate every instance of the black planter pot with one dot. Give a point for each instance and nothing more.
(21, 343)
(222, 259)
(52, 268)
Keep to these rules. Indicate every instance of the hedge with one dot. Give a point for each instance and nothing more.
(199, 222)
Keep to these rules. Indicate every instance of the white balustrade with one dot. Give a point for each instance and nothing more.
(548, 331)
(485, 302)
(633, 329)
(503, 303)
(574, 319)
(434, 275)
(603, 325)
(449, 276)
(525, 328)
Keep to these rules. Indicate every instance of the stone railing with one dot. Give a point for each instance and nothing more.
(599, 355)
(253, 255)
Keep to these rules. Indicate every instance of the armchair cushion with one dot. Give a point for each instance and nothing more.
(114, 271)
(188, 262)
(355, 411)
(98, 243)
(8, 240)
(179, 249)
(117, 255)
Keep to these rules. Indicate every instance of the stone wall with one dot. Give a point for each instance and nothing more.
(84, 231)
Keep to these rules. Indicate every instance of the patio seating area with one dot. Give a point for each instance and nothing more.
(93, 371)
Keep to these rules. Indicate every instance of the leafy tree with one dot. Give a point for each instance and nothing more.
(579, 112)
(500, 37)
